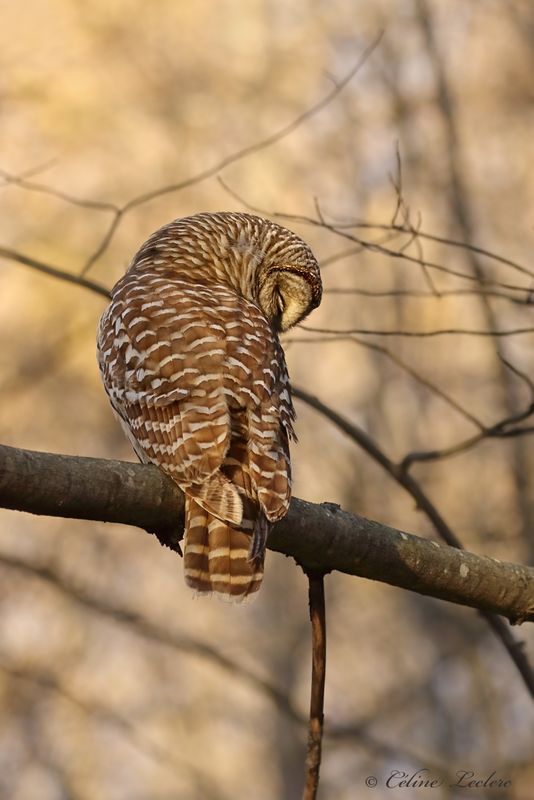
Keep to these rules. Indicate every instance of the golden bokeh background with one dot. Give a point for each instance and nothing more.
(114, 682)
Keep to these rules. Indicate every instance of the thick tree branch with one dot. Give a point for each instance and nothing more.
(319, 537)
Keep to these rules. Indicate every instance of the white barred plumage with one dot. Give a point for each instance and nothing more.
(190, 358)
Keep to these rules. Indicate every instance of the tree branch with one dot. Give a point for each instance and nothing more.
(407, 481)
(319, 537)
(53, 272)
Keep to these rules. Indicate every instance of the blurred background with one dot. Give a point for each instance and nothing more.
(114, 681)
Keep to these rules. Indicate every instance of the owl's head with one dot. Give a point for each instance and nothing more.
(289, 291)
(256, 257)
(288, 278)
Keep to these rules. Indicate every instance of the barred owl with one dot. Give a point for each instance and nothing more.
(189, 355)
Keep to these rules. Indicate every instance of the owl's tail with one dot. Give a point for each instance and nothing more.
(217, 556)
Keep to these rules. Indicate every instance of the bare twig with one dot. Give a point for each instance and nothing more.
(418, 334)
(399, 362)
(463, 213)
(420, 294)
(500, 430)
(105, 241)
(433, 237)
(316, 722)
(66, 197)
(375, 247)
(209, 172)
(497, 431)
(54, 272)
(402, 209)
(7, 178)
(341, 227)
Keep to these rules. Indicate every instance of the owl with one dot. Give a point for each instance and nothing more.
(190, 358)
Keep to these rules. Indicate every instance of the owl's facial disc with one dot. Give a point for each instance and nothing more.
(286, 297)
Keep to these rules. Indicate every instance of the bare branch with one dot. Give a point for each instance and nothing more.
(319, 537)
(209, 172)
(497, 431)
(105, 242)
(402, 209)
(404, 479)
(418, 334)
(375, 247)
(391, 228)
(399, 362)
(316, 721)
(43, 188)
(420, 294)
(269, 140)
(432, 237)
(54, 272)
(8, 178)
(500, 430)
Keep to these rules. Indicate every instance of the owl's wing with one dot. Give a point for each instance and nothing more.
(257, 385)
(269, 460)
(162, 362)
(198, 380)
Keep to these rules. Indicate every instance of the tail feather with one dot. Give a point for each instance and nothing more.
(219, 497)
(232, 572)
(196, 547)
(217, 556)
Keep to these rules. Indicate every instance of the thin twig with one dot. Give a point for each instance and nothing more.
(54, 272)
(419, 293)
(8, 178)
(402, 209)
(43, 188)
(375, 247)
(316, 723)
(500, 430)
(399, 362)
(432, 237)
(105, 241)
(418, 334)
(270, 140)
(497, 431)
(405, 228)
